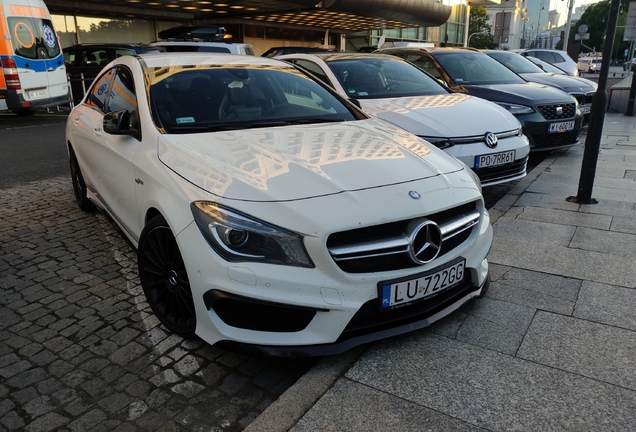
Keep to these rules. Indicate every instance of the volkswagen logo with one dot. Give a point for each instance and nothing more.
(414, 195)
(559, 110)
(491, 139)
(426, 242)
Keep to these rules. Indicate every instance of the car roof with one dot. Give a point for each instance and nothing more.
(330, 56)
(195, 58)
(111, 45)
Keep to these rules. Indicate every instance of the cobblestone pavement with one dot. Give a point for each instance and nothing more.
(80, 349)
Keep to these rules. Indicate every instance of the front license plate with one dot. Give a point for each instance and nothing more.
(561, 127)
(585, 109)
(405, 292)
(35, 94)
(494, 159)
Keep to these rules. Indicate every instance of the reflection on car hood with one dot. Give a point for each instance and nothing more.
(524, 94)
(568, 83)
(297, 162)
(446, 116)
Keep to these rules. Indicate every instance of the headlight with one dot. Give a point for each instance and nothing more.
(516, 109)
(238, 237)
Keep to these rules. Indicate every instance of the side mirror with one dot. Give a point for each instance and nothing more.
(118, 123)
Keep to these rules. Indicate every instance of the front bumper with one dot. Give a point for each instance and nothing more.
(283, 310)
(535, 127)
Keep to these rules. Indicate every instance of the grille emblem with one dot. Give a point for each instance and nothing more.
(559, 110)
(491, 139)
(426, 242)
(414, 195)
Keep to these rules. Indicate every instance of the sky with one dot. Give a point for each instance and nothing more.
(562, 7)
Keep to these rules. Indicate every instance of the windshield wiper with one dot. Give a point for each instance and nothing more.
(309, 120)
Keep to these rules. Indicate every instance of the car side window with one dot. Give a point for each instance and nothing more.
(99, 92)
(558, 58)
(96, 57)
(546, 56)
(119, 52)
(424, 63)
(71, 58)
(314, 69)
(122, 95)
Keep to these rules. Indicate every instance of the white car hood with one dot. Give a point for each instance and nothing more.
(444, 116)
(297, 162)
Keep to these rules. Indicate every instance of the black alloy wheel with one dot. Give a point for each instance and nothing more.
(164, 278)
(79, 186)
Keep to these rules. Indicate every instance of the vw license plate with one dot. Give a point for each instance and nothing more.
(561, 127)
(494, 159)
(404, 292)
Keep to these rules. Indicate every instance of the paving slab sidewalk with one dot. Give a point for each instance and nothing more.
(551, 347)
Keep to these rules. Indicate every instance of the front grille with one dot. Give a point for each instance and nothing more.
(583, 99)
(554, 140)
(502, 172)
(385, 247)
(549, 112)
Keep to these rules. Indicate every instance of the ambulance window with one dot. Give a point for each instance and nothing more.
(99, 93)
(33, 38)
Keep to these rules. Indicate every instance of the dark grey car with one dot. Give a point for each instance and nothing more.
(85, 61)
(580, 88)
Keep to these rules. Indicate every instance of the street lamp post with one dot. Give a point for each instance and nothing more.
(539, 25)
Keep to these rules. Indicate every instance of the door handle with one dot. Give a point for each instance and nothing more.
(76, 120)
(50, 69)
(98, 131)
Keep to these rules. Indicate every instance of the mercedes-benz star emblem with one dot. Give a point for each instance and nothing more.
(414, 195)
(491, 139)
(426, 242)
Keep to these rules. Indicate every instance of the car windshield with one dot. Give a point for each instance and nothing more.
(196, 98)
(378, 78)
(515, 62)
(467, 67)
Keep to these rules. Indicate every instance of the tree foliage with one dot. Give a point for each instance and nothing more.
(596, 17)
(479, 28)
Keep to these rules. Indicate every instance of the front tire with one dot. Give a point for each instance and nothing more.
(79, 185)
(164, 278)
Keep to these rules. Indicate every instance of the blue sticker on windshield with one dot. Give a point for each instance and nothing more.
(49, 36)
(181, 120)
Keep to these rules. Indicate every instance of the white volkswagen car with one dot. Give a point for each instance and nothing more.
(269, 212)
(483, 135)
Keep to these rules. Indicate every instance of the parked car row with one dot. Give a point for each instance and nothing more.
(311, 203)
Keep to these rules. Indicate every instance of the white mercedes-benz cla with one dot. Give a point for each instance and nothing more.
(270, 212)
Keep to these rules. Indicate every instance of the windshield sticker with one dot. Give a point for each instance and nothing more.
(363, 94)
(182, 120)
(235, 84)
(49, 36)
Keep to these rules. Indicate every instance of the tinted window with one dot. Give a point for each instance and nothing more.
(119, 52)
(375, 78)
(33, 38)
(515, 62)
(96, 57)
(99, 92)
(547, 56)
(424, 63)
(476, 68)
(71, 58)
(314, 69)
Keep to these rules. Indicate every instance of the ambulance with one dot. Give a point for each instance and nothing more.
(33, 74)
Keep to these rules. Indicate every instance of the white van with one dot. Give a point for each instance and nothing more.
(33, 73)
